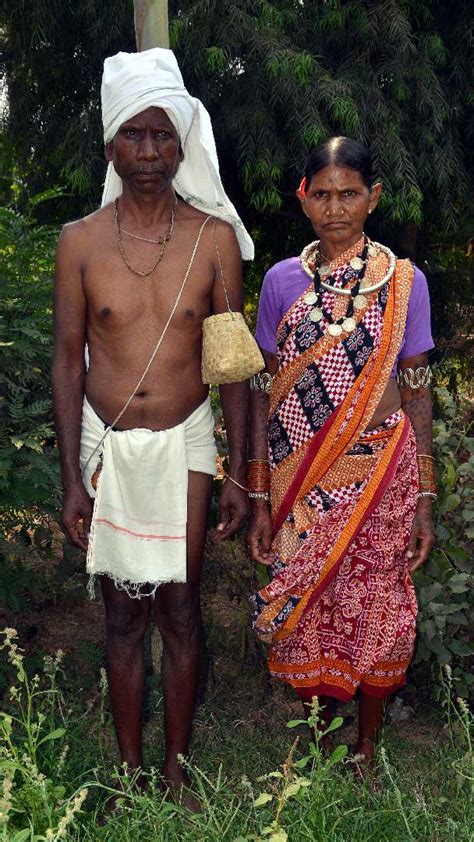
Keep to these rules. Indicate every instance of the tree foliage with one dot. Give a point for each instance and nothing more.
(28, 463)
(278, 77)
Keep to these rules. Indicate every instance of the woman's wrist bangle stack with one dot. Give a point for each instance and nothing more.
(258, 479)
(427, 476)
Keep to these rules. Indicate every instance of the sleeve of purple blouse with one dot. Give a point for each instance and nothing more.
(269, 312)
(417, 338)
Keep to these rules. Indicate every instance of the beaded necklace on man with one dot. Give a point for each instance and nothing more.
(162, 241)
(323, 279)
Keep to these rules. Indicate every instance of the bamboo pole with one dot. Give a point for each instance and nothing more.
(151, 24)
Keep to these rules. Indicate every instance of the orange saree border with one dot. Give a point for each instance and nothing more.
(334, 438)
(333, 674)
(379, 480)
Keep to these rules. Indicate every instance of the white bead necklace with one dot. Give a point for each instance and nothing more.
(309, 249)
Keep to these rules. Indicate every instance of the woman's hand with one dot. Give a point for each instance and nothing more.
(259, 537)
(422, 536)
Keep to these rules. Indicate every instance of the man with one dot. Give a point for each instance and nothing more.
(134, 281)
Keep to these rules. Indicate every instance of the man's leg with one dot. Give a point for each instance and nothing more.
(126, 623)
(177, 612)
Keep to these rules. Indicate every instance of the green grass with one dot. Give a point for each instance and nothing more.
(240, 735)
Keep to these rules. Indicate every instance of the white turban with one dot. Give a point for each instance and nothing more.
(133, 82)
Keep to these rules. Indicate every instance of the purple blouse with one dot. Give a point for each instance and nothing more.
(286, 281)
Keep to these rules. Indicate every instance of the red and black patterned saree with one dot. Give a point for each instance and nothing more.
(340, 609)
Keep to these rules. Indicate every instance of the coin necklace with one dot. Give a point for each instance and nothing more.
(346, 323)
(163, 242)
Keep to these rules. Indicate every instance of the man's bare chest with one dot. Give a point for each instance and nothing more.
(118, 299)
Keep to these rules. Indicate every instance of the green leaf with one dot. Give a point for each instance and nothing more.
(334, 725)
(458, 647)
(279, 836)
(262, 799)
(53, 735)
(458, 554)
(443, 608)
(293, 723)
(339, 753)
(292, 789)
(436, 646)
(21, 835)
(458, 618)
(451, 502)
(427, 594)
(303, 762)
(449, 475)
(459, 583)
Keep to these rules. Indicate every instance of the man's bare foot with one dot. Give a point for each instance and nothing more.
(133, 785)
(178, 786)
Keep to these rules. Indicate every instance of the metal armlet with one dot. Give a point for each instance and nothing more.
(418, 378)
(261, 382)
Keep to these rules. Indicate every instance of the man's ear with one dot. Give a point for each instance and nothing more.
(109, 151)
(180, 153)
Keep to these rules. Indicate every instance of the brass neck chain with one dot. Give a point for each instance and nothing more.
(161, 252)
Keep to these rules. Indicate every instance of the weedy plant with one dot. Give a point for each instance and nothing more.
(459, 725)
(290, 783)
(34, 804)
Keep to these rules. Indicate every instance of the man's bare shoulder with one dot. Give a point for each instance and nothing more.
(189, 213)
(82, 230)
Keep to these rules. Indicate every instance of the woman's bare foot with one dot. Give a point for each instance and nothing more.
(363, 763)
(178, 786)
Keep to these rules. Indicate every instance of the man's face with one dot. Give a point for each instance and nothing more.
(337, 202)
(146, 151)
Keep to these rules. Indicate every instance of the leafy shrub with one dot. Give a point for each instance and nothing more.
(28, 459)
(445, 583)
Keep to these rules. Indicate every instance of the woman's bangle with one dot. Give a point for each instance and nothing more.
(431, 494)
(242, 487)
(259, 495)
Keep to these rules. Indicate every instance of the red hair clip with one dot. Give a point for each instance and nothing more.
(301, 192)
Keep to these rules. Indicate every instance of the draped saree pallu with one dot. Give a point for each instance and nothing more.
(340, 609)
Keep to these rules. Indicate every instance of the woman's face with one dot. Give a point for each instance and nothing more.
(337, 203)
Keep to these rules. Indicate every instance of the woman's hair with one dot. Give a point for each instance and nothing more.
(343, 152)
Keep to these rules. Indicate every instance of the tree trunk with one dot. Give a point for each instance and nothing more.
(151, 24)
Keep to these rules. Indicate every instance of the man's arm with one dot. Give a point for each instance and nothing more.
(418, 406)
(68, 383)
(233, 503)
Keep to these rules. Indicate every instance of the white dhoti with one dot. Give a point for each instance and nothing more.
(138, 529)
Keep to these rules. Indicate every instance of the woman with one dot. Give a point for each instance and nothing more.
(343, 415)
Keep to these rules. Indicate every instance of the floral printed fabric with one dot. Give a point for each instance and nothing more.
(328, 480)
(361, 632)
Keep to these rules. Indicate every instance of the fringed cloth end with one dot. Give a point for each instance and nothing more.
(135, 590)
